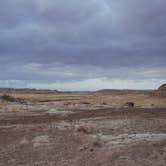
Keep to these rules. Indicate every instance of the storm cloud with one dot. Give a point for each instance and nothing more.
(60, 44)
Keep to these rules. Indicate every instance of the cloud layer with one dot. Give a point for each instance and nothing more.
(65, 42)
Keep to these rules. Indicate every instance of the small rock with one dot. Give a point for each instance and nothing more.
(42, 140)
(24, 141)
(91, 150)
(83, 148)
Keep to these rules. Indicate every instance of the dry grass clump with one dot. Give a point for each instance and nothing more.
(129, 104)
(104, 103)
(86, 128)
(7, 98)
(97, 141)
(14, 109)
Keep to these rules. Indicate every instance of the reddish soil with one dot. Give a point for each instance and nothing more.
(120, 137)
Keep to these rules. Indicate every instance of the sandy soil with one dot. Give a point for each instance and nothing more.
(35, 135)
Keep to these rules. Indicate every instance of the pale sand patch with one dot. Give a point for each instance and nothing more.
(59, 112)
(62, 126)
(42, 140)
(125, 139)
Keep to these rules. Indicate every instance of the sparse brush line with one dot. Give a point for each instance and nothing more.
(113, 113)
(54, 100)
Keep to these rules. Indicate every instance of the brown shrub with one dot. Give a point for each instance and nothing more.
(7, 98)
(129, 104)
(86, 128)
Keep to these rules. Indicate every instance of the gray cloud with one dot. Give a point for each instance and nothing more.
(95, 36)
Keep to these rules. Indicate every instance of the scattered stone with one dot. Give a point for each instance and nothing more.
(83, 148)
(42, 140)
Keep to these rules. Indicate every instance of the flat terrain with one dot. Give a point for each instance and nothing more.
(83, 129)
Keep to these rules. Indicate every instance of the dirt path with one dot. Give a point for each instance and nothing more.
(114, 113)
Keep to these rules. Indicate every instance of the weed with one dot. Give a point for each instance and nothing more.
(86, 128)
(7, 98)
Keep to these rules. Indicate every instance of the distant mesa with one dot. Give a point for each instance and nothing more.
(162, 87)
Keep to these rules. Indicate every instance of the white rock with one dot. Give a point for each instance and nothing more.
(59, 112)
(42, 140)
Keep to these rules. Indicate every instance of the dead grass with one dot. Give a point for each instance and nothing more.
(140, 100)
(86, 128)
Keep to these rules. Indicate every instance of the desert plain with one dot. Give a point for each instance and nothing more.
(40, 128)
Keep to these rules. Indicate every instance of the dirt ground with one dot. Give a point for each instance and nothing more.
(83, 130)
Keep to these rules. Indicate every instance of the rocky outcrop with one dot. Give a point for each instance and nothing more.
(161, 92)
(162, 87)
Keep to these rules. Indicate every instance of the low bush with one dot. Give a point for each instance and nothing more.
(104, 103)
(7, 98)
(86, 128)
(129, 104)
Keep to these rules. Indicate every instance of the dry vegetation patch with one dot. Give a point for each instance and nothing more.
(86, 128)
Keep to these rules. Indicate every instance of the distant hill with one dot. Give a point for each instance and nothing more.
(26, 90)
(121, 92)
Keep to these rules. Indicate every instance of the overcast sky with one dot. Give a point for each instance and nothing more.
(83, 44)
